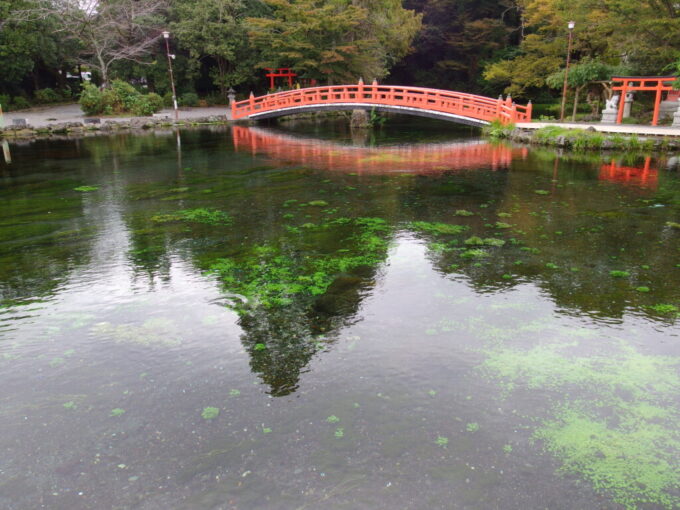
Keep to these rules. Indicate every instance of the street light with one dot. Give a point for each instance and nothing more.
(571, 26)
(166, 36)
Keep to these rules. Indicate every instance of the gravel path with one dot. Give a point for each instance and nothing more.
(45, 116)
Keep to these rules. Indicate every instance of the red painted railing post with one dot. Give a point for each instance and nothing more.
(530, 109)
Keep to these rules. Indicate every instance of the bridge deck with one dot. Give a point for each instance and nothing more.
(454, 106)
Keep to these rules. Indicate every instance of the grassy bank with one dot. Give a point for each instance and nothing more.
(581, 139)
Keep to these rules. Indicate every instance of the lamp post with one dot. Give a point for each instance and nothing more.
(166, 36)
(571, 26)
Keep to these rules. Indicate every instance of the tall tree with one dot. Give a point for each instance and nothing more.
(457, 37)
(643, 34)
(334, 40)
(107, 31)
(215, 29)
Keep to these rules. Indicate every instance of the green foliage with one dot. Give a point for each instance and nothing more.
(336, 41)
(45, 96)
(210, 413)
(438, 228)
(189, 99)
(271, 276)
(119, 99)
(498, 129)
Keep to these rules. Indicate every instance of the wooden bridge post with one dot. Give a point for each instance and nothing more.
(530, 108)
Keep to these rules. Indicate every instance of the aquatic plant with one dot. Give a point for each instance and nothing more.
(86, 189)
(541, 192)
(117, 412)
(200, 215)
(210, 413)
(619, 274)
(339, 433)
(507, 448)
(272, 276)
(438, 228)
(474, 254)
(266, 430)
(642, 289)
(332, 419)
(502, 225)
(69, 405)
(472, 427)
(442, 441)
(664, 308)
(317, 203)
(619, 431)
(234, 393)
(551, 265)
(463, 212)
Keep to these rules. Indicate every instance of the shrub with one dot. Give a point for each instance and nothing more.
(189, 99)
(20, 103)
(167, 100)
(44, 96)
(5, 102)
(91, 99)
(120, 98)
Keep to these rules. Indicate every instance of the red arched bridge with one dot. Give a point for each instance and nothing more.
(440, 104)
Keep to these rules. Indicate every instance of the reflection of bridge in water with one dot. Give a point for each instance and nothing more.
(420, 158)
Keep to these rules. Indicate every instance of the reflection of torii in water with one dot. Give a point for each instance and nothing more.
(644, 176)
(418, 158)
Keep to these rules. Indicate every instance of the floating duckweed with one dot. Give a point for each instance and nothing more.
(472, 427)
(507, 276)
(69, 405)
(86, 189)
(339, 433)
(541, 192)
(117, 411)
(332, 419)
(463, 212)
(550, 265)
(210, 413)
(504, 215)
(642, 289)
(442, 441)
(317, 203)
(619, 274)
(234, 393)
(501, 225)
(266, 430)
(507, 448)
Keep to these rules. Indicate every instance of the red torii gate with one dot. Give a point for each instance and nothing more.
(281, 72)
(658, 84)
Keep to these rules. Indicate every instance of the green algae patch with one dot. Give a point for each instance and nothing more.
(437, 228)
(616, 426)
(200, 215)
(274, 275)
(210, 413)
(317, 203)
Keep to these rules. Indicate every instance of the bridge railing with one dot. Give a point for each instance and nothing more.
(456, 103)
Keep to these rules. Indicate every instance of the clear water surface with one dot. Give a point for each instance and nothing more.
(308, 318)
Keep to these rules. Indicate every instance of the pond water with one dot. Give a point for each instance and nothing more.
(303, 318)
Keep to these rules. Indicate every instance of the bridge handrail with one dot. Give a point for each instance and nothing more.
(445, 101)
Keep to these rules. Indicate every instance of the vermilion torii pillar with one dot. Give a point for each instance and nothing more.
(658, 84)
